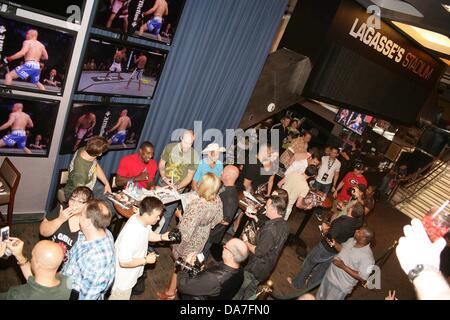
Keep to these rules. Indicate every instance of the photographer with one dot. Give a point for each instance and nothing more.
(270, 239)
(43, 281)
(131, 247)
(220, 282)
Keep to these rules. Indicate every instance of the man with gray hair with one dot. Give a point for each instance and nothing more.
(220, 282)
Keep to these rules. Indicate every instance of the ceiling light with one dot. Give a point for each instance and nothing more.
(446, 7)
(429, 39)
(399, 6)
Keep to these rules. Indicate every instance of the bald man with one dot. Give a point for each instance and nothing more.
(177, 167)
(230, 201)
(353, 264)
(220, 282)
(18, 121)
(43, 281)
(33, 52)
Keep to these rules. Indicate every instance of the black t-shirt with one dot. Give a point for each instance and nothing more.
(230, 203)
(342, 229)
(256, 174)
(63, 235)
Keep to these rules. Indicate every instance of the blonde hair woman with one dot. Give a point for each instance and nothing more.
(201, 215)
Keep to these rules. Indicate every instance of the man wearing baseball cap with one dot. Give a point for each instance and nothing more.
(210, 164)
(351, 179)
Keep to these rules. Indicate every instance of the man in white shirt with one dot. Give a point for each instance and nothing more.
(131, 247)
(297, 187)
(328, 176)
(353, 264)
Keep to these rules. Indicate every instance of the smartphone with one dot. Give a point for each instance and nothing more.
(5, 233)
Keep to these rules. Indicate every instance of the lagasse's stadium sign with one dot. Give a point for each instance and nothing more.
(390, 49)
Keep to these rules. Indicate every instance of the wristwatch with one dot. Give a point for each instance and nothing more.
(414, 273)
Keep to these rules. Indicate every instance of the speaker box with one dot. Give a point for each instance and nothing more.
(280, 85)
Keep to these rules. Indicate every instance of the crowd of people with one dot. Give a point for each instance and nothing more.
(82, 260)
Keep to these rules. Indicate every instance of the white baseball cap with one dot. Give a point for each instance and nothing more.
(213, 147)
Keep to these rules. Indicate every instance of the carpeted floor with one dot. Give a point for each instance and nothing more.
(386, 221)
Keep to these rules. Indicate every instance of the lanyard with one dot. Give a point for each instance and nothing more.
(332, 163)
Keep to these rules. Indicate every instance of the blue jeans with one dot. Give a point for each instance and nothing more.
(316, 263)
(168, 214)
(325, 188)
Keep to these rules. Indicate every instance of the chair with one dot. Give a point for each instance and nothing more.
(63, 176)
(117, 221)
(10, 177)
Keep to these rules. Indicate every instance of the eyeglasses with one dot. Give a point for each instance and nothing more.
(77, 200)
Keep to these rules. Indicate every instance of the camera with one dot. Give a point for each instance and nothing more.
(351, 191)
(150, 249)
(175, 235)
(192, 270)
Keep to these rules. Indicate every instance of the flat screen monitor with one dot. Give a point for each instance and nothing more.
(26, 125)
(352, 120)
(154, 20)
(60, 9)
(34, 57)
(120, 124)
(118, 69)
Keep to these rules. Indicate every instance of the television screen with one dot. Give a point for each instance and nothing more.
(120, 124)
(155, 20)
(33, 57)
(352, 120)
(61, 9)
(26, 125)
(111, 68)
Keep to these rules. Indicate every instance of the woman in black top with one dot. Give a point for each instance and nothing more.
(62, 224)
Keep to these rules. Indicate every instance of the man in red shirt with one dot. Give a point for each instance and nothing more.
(350, 180)
(138, 167)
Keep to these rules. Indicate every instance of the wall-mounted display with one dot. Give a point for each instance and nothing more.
(120, 124)
(154, 20)
(117, 69)
(68, 10)
(34, 57)
(354, 121)
(26, 125)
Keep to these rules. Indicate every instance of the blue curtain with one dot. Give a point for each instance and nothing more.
(212, 67)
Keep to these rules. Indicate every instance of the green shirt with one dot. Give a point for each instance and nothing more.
(178, 163)
(81, 173)
(34, 291)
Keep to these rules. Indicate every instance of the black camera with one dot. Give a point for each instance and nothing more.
(175, 236)
(192, 270)
(350, 191)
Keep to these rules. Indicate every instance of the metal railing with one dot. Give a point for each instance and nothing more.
(414, 187)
